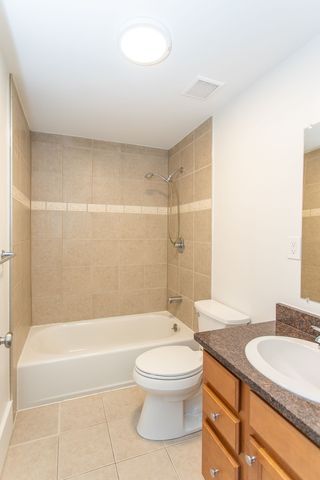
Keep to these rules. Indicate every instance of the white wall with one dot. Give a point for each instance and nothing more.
(258, 159)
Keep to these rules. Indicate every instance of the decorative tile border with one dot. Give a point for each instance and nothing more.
(20, 197)
(311, 212)
(100, 208)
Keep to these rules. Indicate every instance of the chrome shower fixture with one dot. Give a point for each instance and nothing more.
(178, 242)
(167, 179)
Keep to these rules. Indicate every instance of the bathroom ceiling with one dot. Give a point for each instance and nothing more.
(74, 80)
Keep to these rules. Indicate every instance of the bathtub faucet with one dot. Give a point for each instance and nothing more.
(176, 299)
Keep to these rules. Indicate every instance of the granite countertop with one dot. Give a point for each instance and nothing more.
(228, 347)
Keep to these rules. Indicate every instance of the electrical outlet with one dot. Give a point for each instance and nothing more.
(294, 248)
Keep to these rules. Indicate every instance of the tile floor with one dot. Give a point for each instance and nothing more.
(94, 438)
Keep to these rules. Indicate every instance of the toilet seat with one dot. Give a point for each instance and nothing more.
(169, 363)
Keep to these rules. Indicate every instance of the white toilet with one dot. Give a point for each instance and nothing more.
(171, 377)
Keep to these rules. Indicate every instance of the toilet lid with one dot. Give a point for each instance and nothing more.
(170, 362)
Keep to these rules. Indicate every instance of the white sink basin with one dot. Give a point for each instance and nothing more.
(292, 363)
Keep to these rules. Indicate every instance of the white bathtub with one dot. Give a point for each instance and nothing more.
(64, 360)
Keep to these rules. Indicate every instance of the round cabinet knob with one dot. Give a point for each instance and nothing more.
(214, 472)
(214, 416)
(250, 459)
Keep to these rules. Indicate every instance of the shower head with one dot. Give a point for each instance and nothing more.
(167, 179)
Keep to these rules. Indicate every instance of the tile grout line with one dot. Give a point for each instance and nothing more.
(173, 465)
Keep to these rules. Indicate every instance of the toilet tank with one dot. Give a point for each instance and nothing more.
(213, 315)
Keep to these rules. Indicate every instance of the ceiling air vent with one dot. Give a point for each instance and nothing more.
(202, 88)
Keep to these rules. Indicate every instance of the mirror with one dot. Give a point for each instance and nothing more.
(310, 255)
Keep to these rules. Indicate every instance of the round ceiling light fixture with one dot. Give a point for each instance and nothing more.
(145, 42)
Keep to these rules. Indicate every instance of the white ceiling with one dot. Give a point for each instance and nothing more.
(74, 80)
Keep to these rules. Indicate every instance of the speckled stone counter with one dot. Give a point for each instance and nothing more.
(228, 347)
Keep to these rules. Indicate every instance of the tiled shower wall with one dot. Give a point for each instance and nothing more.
(21, 234)
(99, 229)
(189, 273)
(310, 277)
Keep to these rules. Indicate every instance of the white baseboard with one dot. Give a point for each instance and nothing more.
(6, 427)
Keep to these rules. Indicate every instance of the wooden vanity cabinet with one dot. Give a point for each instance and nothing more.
(244, 438)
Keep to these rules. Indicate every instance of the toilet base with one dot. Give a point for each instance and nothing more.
(163, 418)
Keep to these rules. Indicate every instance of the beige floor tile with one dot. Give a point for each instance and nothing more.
(126, 443)
(186, 458)
(121, 403)
(35, 423)
(32, 461)
(81, 412)
(106, 473)
(154, 466)
(83, 450)
(174, 441)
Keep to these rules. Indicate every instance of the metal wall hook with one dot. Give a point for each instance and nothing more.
(5, 256)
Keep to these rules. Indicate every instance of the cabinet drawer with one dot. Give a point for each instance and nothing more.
(216, 460)
(221, 380)
(223, 420)
(297, 452)
(264, 467)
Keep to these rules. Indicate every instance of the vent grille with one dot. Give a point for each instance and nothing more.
(202, 88)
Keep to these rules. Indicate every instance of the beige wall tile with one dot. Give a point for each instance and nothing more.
(46, 281)
(106, 163)
(186, 225)
(132, 252)
(202, 226)
(173, 278)
(202, 184)
(186, 282)
(46, 224)
(132, 226)
(77, 225)
(131, 277)
(77, 189)
(155, 252)
(46, 187)
(106, 226)
(202, 258)
(155, 276)
(105, 279)
(48, 253)
(185, 187)
(106, 190)
(76, 307)
(186, 258)
(46, 158)
(106, 304)
(155, 226)
(76, 280)
(105, 252)
(131, 302)
(47, 309)
(187, 159)
(76, 161)
(202, 287)
(203, 150)
(155, 299)
(76, 252)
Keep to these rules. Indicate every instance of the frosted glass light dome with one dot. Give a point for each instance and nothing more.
(145, 42)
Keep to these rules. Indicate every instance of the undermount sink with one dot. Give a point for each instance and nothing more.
(292, 363)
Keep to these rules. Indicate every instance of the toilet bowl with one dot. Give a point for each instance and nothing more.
(171, 377)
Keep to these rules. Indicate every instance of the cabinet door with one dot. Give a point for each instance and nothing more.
(261, 466)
